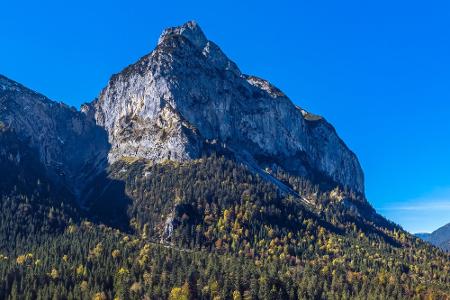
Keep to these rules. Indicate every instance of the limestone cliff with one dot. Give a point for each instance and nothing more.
(187, 94)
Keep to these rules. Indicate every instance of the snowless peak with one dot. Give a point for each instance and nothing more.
(194, 34)
(190, 30)
(172, 103)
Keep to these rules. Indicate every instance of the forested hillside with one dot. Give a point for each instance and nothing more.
(208, 229)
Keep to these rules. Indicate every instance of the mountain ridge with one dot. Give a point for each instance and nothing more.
(69, 145)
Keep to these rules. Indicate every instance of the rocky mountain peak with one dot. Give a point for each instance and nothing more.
(187, 94)
(188, 40)
(180, 101)
(190, 30)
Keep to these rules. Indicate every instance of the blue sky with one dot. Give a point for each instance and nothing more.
(379, 71)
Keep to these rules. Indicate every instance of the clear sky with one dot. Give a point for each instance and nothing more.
(379, 71)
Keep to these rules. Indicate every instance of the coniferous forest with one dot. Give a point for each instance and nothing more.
(204, 229)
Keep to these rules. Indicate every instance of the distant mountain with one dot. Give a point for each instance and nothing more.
(186, 179)
(440, 237)
(423, 235)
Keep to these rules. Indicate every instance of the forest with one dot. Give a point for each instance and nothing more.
(204, 229)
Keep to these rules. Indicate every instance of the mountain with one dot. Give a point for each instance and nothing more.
(422, 235)
(186, 95)
(186, 179)
(70, 146)
(440, 237)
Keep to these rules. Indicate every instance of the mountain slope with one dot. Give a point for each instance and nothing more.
(218, 230)
(30, 201)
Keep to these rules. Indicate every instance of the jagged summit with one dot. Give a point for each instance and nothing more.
(187, 93)
(190, 30)
(189, 38)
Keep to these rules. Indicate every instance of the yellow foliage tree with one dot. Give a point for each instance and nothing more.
(54, 274)
(100, 296)
(84, 286)
(180, 293)
(237, 295)
(115, 253)
(97, 251)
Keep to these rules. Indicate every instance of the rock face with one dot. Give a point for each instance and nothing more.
(69, 144)
(186, 94)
